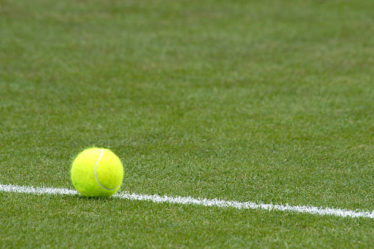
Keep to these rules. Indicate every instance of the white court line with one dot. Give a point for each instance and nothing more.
(199, 201)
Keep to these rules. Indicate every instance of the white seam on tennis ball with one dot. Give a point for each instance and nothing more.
(97, 179)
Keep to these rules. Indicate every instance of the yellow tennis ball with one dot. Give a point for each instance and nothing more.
(97, 172)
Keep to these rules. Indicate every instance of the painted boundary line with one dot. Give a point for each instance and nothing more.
(199, 201)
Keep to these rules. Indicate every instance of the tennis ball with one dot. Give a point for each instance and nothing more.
(97, 172)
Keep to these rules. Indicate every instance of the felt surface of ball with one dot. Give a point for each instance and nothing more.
(97, 172)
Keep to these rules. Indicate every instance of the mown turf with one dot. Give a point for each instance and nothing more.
(85, 223)
(267, 101)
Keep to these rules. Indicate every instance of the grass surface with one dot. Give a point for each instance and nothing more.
(267, 101)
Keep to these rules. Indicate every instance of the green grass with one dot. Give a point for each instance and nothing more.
(265, 101)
